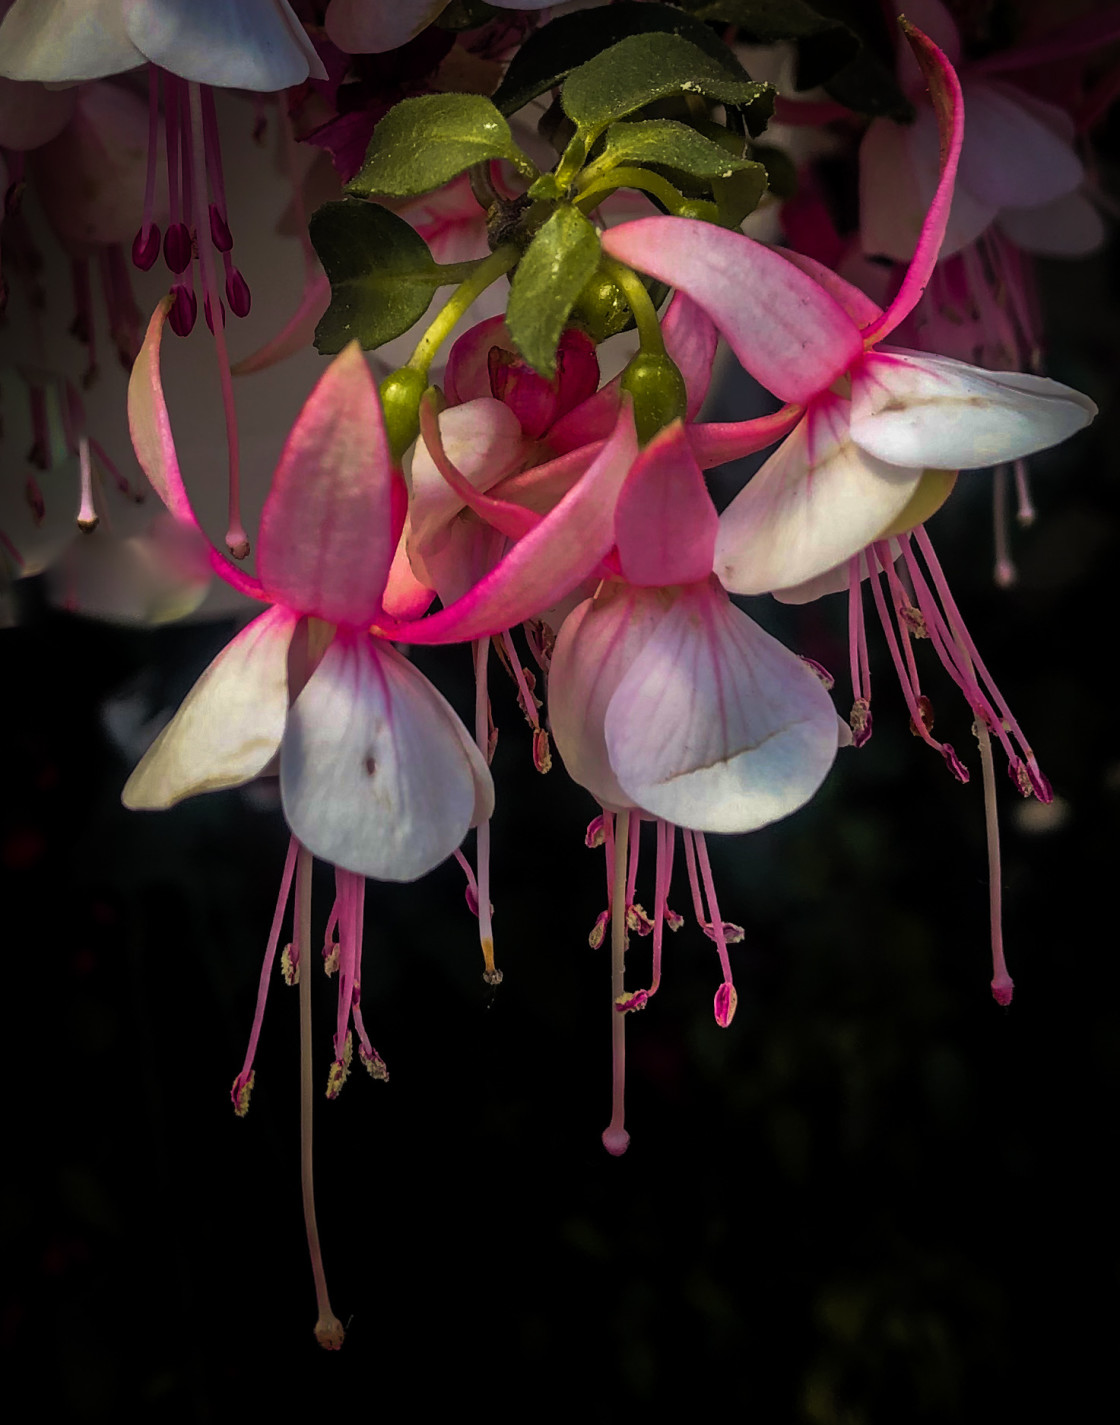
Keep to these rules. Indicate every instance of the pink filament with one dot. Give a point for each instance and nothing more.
(266, 968)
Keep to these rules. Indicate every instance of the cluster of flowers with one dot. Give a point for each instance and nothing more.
(529, 492)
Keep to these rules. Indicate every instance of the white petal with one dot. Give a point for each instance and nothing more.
(229, 727)
(57, 41)
(595, 648)
(931, 411)
(233, 44)
(818, 500)
(1068, 227)
(377, 774)
(717, 726)
(1009, 154)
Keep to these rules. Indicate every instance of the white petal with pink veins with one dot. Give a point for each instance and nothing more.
(818, 500)
(717, 726)
(233, 44)
(374, 774)
(230, 724)
(931, 411)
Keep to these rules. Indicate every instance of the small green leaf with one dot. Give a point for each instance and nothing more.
(740, 194)
(673, 145)
(643, 68)
(550, 54)
(557, 266)
(423, 143)
(381, 273)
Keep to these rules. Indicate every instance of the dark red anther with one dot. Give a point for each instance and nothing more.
(184, 310)
(219, 230)
(210, 314)
(177, 250)
(237, 293)
(145, 247)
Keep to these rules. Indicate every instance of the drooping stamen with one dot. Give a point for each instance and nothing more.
(88, 518)
(237, 541)
(243, 1084)
(728, 933)
(177, 238)
(329, 1331)
(83, 327)
(1025, 513)
(542, 753)
(860, 663)
(146, 243)
(726, 998)
(237, 289)
(616, 1140)
(349, 935)
(491, 974)
(1004, 572)
(1002, 984)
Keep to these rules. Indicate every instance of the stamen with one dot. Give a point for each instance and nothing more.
(471, 892)
(491, 974)
(145, 245)
(1026, 512)
(726, 999)
(237, 540)
(616, 1140)
(329, 1331)
(88, 518)
(1005, 573)
(1002, 984)
(244, 1081)
(860, 663)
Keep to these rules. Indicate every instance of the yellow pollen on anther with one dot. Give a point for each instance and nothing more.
(289, 966)
(241, 1107)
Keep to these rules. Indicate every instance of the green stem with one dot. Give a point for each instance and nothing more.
(596, 186)
(486, 272)
(645, 314)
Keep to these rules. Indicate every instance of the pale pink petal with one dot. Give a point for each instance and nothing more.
(858, 305)
(1010, 157)
(468, 370)
(30, 114)
(1068, 227)
(297, 334)
(405, 596)
(327, 535)
(374, 774)
(933, 412)
(487, 416)
(232, 44)
(665, 522)
(785, 329)
(591, 420)
(597, 643)
(359, 27)
(717, 726)
(60, 41)
(230, 724)
(548, 563)
(714, 442)
(149, 425)
(817, 500)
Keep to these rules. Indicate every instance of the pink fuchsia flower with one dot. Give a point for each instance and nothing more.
(377, 773)
(233, 44)
(668, 702)
(874, 432)
(371, 27)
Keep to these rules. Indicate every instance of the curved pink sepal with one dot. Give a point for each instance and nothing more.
(783, 327)
(327, 534)
(948, 105)
(149, 425)
(713, 442)
(665, 522)
(512, 520)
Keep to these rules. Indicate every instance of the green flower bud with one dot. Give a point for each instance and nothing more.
(601, 309)
(400, 400)
(657, 387)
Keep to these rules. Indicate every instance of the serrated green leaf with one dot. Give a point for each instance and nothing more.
(423, 143)
(381, 273)
(550, 54)
(557, 266)
(673, 145)
(643, 68)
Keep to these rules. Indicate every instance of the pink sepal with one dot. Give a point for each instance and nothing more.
(665, 522)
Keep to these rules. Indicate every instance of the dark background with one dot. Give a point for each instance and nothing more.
(877, 1197)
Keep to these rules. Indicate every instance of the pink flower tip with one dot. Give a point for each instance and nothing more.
(1003, 987)
(726, 1002)
(616, 1141)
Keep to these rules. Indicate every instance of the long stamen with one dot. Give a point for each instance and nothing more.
(145, 245)
(616, 1140)
(1002, 984)
(88, 518)
(726, 998)
(237, 540)
(1004, 573)
(328, 1328)
(1025, 513)
(491, 974)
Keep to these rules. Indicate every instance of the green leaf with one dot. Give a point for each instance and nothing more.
(550, 54)
(423, 143)
(739, 195)
(381, 273)
(643, 68)
(673, 145)
(557, 266)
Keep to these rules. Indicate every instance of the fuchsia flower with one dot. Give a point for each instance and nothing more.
(371, 26)
(377, 773)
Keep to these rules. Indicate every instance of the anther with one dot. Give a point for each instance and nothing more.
(184, 310)
(725, 1004)
(242, 1089)
(289, 965)
(375, 1064)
